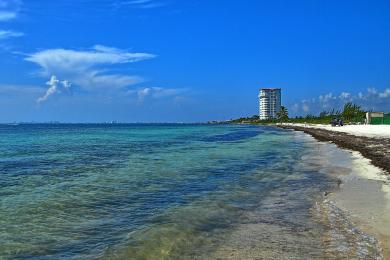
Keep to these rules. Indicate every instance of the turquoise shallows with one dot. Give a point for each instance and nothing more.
(151, 191)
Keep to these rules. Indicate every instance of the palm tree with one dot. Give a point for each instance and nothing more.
(353, 112)
(282, 115)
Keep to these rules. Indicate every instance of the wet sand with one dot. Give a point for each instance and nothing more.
(364, 192)
(375, 149)
(351, 219)
(365, 195)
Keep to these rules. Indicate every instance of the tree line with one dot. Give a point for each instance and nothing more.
(351, 113)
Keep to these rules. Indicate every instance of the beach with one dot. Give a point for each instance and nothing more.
(372, 141)
(364, 193)
(176, 191)
(374, 131)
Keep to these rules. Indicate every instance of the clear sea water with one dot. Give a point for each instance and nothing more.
(167, 192)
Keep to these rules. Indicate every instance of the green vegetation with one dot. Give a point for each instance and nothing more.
(282, 114)
(244, 120)
(351, 114)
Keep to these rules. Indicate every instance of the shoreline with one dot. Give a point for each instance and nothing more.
(364, 194)
(378, 151)
(342, 235)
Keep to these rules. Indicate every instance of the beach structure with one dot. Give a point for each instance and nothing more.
(377, 118)
(269, 102)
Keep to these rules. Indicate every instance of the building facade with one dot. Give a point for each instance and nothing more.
(377, 118)
(270, 100)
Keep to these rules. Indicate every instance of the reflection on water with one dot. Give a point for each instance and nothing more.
(175, 191)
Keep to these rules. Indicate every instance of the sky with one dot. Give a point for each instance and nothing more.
(189, 61)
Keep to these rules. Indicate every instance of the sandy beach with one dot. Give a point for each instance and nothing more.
(374, 131)
(372, 141)
(364, 193)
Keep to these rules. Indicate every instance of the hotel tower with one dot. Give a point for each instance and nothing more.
(269, 102)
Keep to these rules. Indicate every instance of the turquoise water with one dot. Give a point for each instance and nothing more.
(157, 191)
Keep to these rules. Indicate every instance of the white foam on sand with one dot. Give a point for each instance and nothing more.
(365, 195)
(364, 168)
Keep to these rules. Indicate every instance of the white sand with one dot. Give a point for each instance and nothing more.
(365, 191)
(376, 131)
(365, 195)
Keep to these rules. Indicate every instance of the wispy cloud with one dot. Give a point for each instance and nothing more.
(5, 34)
(55, 86)
(88, 68)
(372, 99)
(142, 4)
(157, 92)
(67, 60)
(5, 15)
(9, 9)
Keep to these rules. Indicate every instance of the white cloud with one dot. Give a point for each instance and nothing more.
(5, 16)
(87, 68)
(137, 2)
(295, 108)
(371, 91)
(142, 93)
(345, 95)
(94, 80)
(326, 97)
(5, 34)
(372, 99)
(385, 94)
(70, 60)
(157, 92)
(66, 84)
(142, 4)
(305, 107)
(55, 86)
(9, 9)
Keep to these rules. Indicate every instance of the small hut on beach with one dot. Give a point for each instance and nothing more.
(377, 118)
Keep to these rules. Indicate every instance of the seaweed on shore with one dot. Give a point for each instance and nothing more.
(377, 150)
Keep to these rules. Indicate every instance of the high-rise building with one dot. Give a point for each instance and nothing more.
(269, 102)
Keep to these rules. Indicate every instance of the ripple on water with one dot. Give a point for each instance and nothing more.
(155, 191)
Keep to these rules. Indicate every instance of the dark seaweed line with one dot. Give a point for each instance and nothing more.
(377, 150)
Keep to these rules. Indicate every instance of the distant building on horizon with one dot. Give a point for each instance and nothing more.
(270, 100)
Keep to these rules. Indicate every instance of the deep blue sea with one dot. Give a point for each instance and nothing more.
(133, 191)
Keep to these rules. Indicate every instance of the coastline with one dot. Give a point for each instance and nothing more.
(264, 193)
(378, 151)
(364, 193)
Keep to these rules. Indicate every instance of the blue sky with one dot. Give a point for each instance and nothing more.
(188, 61)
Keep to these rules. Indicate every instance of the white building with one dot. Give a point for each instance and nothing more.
(269, 102)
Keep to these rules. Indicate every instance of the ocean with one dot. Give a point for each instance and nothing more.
(171, 191)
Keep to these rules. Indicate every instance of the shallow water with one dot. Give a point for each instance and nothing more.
(170, 191)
